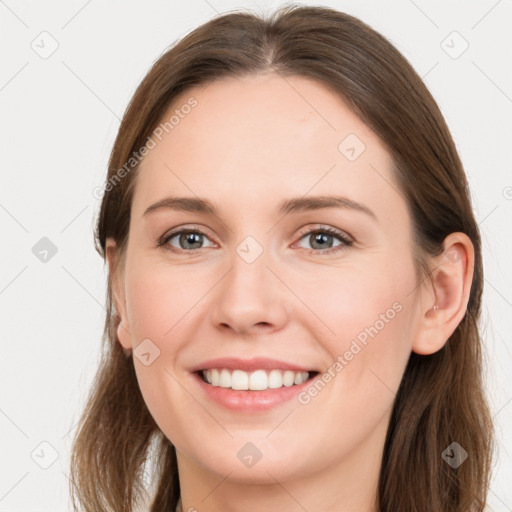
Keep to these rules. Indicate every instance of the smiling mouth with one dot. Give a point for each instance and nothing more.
(257, 380)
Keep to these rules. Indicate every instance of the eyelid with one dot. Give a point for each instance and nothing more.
(329, 229)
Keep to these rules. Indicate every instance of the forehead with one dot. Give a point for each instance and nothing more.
(260, 134)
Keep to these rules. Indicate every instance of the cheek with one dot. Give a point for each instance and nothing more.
(157, 301)
(356, 392)
(375, 354)
(163, 305)
(349, 300)
(369, 333)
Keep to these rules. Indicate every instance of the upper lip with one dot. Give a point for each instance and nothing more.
(255, 363)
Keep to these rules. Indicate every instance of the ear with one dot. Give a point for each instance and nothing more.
(116, 276)
(443, 302)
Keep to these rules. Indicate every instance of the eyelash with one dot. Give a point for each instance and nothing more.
(346, 242)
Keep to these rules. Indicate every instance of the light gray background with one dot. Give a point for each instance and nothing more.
(59, 117)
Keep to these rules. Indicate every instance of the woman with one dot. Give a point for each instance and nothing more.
(248, 371)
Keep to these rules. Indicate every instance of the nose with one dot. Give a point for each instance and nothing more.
(251, 298)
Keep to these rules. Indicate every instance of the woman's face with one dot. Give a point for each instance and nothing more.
(261, 278)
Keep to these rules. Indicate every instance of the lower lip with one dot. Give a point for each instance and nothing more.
(246, 400)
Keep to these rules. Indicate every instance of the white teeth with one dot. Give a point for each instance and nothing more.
(275, 379)
(225, 378)
(258, 380)
(239, 380)
(288, 378)
(298, 378)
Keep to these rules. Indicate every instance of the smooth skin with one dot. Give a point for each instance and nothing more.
(249, 144)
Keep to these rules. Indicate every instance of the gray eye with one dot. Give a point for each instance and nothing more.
(321, 240)
(187, 240)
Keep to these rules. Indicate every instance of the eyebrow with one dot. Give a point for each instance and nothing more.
(294, 205)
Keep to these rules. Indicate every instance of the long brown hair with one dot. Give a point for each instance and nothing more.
(441, 398)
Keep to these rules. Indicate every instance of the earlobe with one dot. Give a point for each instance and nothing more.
(118, 295)
(443, 302)
(124, 337)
